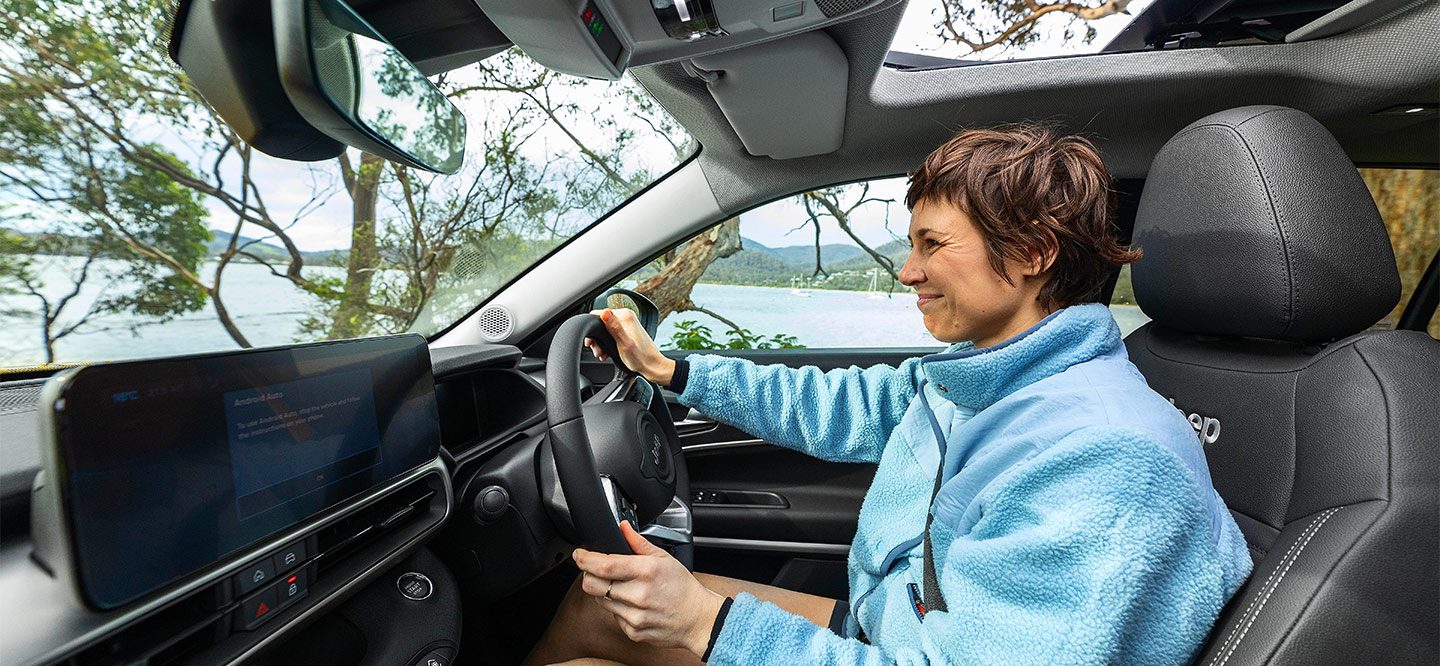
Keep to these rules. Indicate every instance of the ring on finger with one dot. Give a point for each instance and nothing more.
(608, 588)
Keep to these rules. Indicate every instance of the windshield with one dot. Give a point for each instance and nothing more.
(134, 223)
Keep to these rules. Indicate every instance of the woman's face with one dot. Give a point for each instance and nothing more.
(961, 296)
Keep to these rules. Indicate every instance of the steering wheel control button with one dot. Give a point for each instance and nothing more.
(415, 586)
(290, 557)
(291, 587)
(490, 504)
(252, 577)
(433, 658)
(256, 609)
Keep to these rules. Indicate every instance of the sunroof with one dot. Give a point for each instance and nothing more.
(941, 33)
(990, 30)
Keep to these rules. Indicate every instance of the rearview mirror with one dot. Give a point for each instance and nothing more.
(350, 83)
(624, 299)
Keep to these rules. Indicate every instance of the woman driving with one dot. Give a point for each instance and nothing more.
(1035, 501)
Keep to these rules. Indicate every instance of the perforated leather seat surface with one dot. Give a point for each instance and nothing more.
(1265, 262)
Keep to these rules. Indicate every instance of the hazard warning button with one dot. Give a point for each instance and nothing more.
(256, 609)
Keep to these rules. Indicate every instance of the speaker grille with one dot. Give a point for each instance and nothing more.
(495, 323)
(833, 8)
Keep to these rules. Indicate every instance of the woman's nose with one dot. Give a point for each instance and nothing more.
(910, 273)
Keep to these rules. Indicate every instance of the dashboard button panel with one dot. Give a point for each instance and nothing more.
(256, 609)
(291, 587)
(260, 572)
(290, 557)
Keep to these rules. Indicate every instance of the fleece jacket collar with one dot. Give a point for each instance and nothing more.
(975, 378)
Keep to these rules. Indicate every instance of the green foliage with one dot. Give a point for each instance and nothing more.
(17, 267)
(692, 335)
(148, 207)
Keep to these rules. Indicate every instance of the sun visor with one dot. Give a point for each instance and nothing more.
(785, 98)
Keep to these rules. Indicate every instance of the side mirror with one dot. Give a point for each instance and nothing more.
(350, 83)
(644, 308)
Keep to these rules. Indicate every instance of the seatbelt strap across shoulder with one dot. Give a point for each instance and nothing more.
(930, 585)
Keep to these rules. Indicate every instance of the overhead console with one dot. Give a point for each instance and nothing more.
(602, 38)
(190, 508)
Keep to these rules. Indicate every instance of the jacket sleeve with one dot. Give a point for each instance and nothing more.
(842, 415)
(1094, 551)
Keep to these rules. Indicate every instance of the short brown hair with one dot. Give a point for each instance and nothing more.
(1032, 193)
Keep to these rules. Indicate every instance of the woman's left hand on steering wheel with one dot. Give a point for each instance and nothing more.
(637, 350)
(651, 594)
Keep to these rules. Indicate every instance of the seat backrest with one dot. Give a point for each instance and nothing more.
(1265, 261)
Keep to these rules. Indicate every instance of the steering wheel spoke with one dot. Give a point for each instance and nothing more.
(616, 389)
(673, 527)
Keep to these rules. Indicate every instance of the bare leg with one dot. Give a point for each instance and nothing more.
(584, 633)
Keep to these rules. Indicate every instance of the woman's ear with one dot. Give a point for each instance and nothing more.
(1043, 253)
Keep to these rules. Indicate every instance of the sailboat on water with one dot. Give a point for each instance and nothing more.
(874, 281)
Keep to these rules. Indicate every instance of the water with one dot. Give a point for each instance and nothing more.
(820, 318)
(268, 310)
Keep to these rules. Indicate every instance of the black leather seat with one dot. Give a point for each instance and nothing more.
(1265, 262)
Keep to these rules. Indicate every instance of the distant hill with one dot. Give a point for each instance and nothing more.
(761, 265)
(273, 251)
(895, 251)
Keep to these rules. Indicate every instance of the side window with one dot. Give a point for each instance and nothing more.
(818, 269)
(1122, 304)
(1409, 202)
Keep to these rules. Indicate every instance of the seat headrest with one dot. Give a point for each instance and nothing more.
(1255, 223)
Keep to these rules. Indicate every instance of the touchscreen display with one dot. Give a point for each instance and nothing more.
(171, 465)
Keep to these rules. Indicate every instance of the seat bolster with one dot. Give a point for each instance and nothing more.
(1272, 605)
(1342, 438)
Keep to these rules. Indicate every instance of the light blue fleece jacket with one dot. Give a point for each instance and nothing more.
(1076, 524)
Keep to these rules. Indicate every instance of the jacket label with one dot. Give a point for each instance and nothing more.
(916, 604)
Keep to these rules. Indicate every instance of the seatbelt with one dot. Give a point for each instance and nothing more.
(931, 583)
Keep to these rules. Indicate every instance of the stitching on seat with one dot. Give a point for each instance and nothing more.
(1311, 531)
(1263, 588)
(1266, 588)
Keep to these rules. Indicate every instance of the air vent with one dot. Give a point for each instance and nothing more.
(496, 323)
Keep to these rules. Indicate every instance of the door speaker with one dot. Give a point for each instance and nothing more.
(496, 323)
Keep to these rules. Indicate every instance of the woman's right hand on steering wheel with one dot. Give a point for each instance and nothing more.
(637, 350)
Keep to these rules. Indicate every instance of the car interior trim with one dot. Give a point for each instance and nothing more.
(366, 576)
(125, 616)
(800, 547)
(732, 444)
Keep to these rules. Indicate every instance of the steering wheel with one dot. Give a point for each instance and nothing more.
(615, 459)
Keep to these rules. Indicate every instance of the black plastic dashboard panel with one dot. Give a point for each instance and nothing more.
(205, 621)
(450, 362)
(161, 467)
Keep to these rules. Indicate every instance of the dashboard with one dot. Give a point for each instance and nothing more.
(222, 553)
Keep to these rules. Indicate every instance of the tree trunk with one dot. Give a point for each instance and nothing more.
(670, 288)
(351, 313)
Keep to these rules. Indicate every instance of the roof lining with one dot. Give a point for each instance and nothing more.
(1128, 103)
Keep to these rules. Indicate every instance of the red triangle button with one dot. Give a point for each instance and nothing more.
(261, 609)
